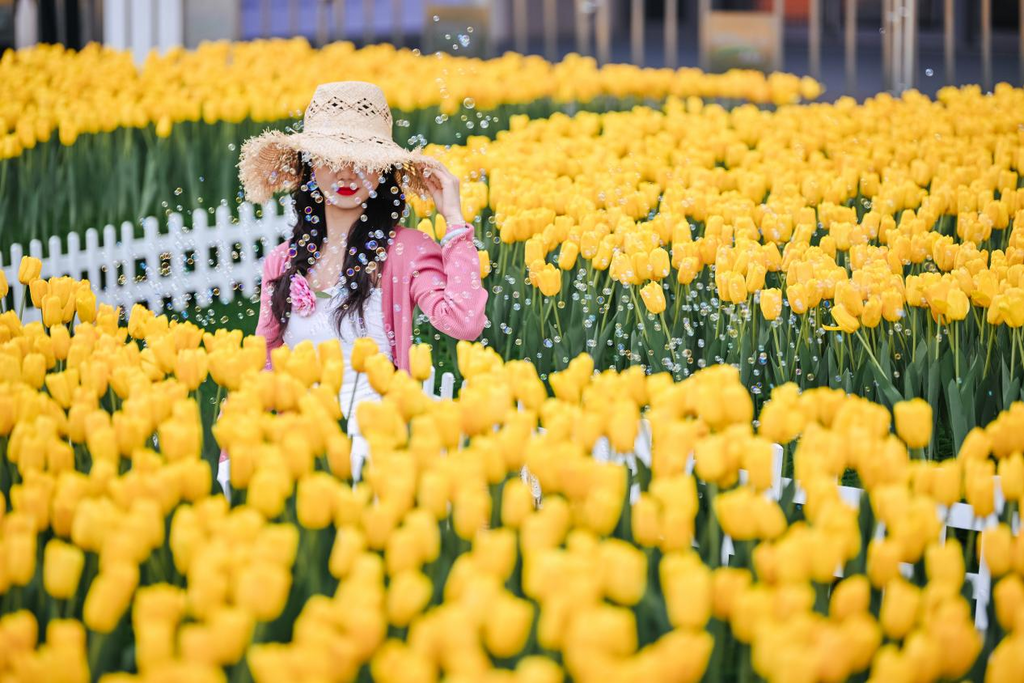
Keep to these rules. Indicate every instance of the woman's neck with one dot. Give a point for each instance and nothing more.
(339, 225)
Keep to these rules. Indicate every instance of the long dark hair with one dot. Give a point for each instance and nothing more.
(366, 249)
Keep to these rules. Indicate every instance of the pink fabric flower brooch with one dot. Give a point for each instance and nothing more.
(303, 299)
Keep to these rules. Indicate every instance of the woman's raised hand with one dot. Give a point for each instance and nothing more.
(444, 190)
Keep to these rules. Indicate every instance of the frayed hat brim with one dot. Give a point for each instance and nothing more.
(271, 162)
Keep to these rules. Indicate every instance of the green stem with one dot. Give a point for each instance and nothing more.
(870, 355)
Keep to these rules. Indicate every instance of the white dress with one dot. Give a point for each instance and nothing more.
(319, 326)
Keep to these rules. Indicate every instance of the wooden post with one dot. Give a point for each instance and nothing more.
(887, 66)
(779, 7)
(368, 33)
(671, 33)
(339, 19)
(293, 17)
(87, 22)
(322, 25)
(949, 41)
(604, 31)
(551, 32)
(704, 13)
(61, 21)
(986, 44)
(141, 27)
(636, 31)
(814, 37)
(397, 29)
(519, 25)
(851, 47)
(265, 18)
(170, 23)
(909, 43)
(582, 29)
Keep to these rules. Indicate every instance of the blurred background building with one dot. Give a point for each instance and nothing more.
(856, 47)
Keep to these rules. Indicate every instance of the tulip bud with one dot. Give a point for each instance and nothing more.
(379, 370)
(362, 349)
(313, 504)
(485, 263)
(517, 503)
(624, 571)
(62, 569)
(899, 608)
(19, 555)
(38, 290)
(1011, 476)
(408, 594)
(1009, 602)
(191, 367)
(109, 596)
(33, 370)
(653, 297)
(644, 521)
(507, 625)
(686, 584)
(262, 589)
(914, 422)
(996, 545)
(771, 303)
(567, 255)
(420, 362)
(52, 312)
(29, 269)
(883, 561)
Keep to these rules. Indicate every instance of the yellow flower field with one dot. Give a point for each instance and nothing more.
(127, 142)
(116, 554)
(876, 247)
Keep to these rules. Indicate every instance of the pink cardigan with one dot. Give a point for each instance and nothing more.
(442, 280)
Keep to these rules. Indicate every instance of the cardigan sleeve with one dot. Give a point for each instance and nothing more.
(445, 284)
(266, 326)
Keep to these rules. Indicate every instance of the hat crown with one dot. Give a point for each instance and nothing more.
(352, 108)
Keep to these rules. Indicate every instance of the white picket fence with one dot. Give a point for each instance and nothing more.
(958, 516)
(203, 260)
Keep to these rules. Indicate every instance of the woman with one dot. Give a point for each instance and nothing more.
(349, 269)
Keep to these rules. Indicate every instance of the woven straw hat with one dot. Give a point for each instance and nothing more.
(348, 122)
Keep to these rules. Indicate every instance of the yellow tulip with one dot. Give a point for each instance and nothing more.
(507, 625)
(262, 589)
(62, 568)
(38, 290)
(653, 297)
(485, 263)
(771, 303)
(29, 269)
(362, 349)
(314, 500)
(109, 596)
(409, 593)
(996, 544)
(191, 367)
(567, 255)
(420, 362)
(380, 371)
(913, 422)
(899, 608)
(845, 321)
(624, 571)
